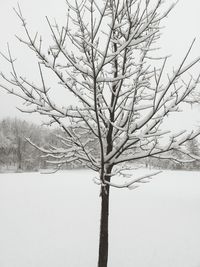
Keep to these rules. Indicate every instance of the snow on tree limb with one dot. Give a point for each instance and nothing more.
(131, 184)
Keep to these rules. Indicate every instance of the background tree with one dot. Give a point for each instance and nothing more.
(6, 148)
(105, 57)
(193, 149)
(16, 153)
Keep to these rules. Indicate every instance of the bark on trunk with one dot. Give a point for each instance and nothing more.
(103, 239)
(19, 154)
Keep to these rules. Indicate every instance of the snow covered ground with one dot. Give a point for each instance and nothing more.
(53, 220)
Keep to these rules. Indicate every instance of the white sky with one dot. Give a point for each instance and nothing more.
(181, 27)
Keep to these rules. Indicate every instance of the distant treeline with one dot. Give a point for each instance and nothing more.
(17, 154)
(175, 160)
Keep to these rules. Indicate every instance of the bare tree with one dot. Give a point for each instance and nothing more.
(105, 56)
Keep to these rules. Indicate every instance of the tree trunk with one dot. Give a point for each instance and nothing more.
(103, 239)
(19, 154)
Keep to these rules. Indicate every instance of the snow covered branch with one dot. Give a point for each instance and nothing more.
(134, 183)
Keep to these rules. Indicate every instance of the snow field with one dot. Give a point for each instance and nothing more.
(53, 220)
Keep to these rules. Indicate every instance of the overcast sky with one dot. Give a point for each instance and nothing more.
(182, 25)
